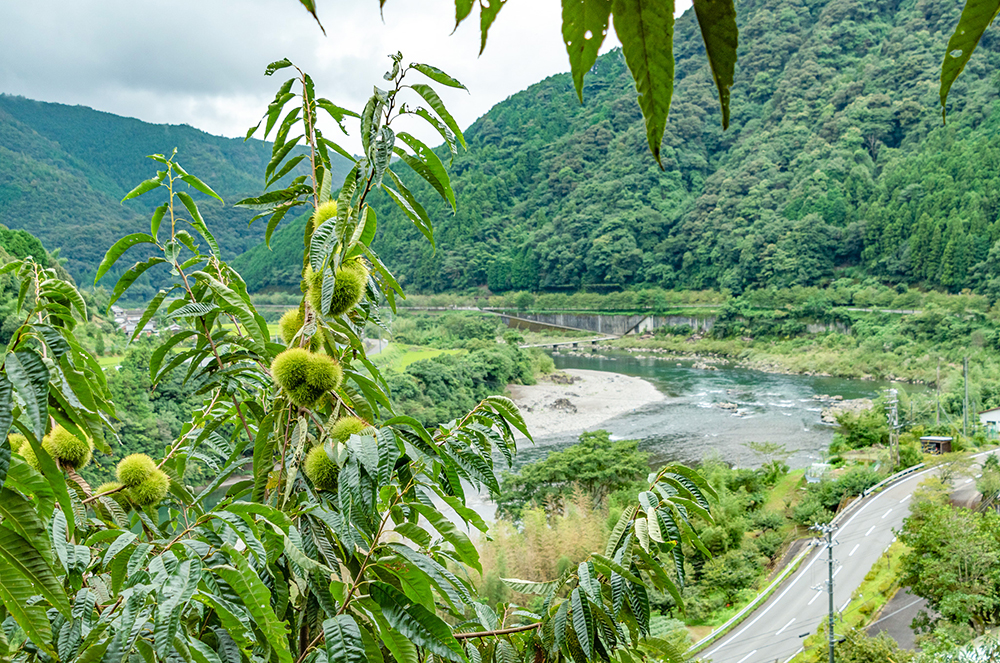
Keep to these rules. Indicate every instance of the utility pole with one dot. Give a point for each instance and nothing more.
(892, 415)
(965, 408)
(827, 531)
(937, 396)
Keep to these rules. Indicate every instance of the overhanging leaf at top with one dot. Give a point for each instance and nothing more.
(646, 31)
(976, 17)
(584, 26)
(717, 19)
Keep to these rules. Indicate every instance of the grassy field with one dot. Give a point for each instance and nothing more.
(108, 362)
(397, 357)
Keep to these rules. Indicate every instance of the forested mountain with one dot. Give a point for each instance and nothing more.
(64, 169)
(836, 163)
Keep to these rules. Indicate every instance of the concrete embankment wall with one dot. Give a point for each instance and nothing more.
(619, 325)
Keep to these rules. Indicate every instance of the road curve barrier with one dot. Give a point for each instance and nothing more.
(794, 564)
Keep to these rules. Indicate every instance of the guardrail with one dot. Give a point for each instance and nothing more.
(750, 607)
(792, 566)
(891, 479)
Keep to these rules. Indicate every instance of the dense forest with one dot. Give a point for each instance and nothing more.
(65, 169)
(836, 164)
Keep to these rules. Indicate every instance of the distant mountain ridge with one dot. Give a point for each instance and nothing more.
(64, 169)
(836, 165)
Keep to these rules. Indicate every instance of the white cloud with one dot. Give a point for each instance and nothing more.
(201, 62)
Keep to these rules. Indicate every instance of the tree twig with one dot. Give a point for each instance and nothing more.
(503, 631)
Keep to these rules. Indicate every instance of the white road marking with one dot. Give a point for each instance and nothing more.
(801, 649)
(854, 549)
(886, 514)
(870, 530)
(802, 572)
(837, 571)
(747, 656)
(782, 629)
(968, 481)
(906, 498)
(845, 605)
(813, 598)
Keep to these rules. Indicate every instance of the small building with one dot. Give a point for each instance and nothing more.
(935, 444)
(990, 419)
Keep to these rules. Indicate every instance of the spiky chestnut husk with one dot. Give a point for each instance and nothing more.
(327, 210)
(151, 490)
(305, 376)
(352, 276)
(290, 324)
(28, 454)
(345, 427)
(321, 469)
(133, 470)
(68, 448)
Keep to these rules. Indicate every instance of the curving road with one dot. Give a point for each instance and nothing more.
(776, 630)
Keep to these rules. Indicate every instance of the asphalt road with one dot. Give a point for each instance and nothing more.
(776, 630)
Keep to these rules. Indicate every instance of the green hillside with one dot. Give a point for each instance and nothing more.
(64, 169)
(836, 164)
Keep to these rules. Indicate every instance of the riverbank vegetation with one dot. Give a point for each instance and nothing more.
(550, 510)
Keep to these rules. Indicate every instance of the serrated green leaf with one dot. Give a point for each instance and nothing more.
(343, 640)
(434, 101)
(196, 183)
(717, 19)
(583, 622)
(146, 186)
(646, 30)
(488, 11)
(421, 626)
(15, 592)
(584, 26)
(976, 17)
(25, 562)
(29, 375)
(128, 278)
(118, 249)
(436, 74)
(257, 599)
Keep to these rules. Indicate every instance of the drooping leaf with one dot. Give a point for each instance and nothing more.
(584, 26)
(717, 19)
(488, 10)
(436, 74)
(146, 186)
(421, 626)
(24, 561)
(427, 165)
(15, 592)
(257, 599)
(29, 375)
(646, 31)
(432, 98)
(118, 249)
(343, 640)
(976, 17)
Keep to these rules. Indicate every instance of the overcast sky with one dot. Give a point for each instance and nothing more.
(201, 62)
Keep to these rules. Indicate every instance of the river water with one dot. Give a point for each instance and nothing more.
(689, 424)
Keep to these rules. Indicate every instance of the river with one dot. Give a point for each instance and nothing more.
(689, 424)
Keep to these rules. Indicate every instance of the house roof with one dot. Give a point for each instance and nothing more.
(936, 438)
(992, 409)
